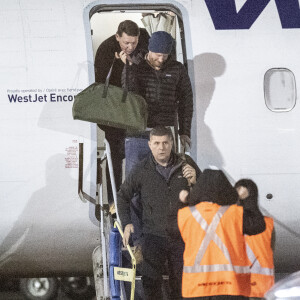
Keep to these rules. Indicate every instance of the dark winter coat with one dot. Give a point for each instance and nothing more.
(105, 55)
(103, 61)
(166, 91)
(250, 205)
(158, 196)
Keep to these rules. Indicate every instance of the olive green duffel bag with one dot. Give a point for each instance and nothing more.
(112, 106)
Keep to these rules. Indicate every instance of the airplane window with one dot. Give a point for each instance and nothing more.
(280, 89)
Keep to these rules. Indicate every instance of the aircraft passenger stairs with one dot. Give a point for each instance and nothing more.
(116, 273)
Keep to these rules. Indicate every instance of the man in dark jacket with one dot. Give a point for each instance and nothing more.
(158, 179)
(165, 85)
(127, 42)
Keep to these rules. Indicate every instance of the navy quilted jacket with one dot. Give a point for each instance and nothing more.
(166, 91)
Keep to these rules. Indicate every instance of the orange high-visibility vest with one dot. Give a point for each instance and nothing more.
(215, 259)
(260, 254)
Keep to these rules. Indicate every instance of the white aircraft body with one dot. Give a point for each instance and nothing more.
(243, 61)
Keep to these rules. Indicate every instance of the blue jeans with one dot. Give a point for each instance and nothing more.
(136, 149)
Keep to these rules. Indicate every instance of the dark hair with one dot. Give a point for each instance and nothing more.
(161, 131)
(129, 27)
(213, 186)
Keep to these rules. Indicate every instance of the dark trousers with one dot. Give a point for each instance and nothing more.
(156, 252)
(116, 140)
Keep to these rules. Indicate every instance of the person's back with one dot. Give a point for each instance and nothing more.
(215, 261)
(213, 228)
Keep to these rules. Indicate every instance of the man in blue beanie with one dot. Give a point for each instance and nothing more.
(160, 46)
(165, 85)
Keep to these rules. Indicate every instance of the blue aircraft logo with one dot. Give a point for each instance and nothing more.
(225, 15)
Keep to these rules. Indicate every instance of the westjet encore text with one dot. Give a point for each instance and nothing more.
(40, 98)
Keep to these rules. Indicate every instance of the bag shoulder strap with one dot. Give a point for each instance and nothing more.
(104, 94)
(125, 89)
(106, 85)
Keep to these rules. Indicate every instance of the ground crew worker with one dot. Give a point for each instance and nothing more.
(258, 247)
(213, 228)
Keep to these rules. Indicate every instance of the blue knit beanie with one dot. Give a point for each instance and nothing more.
(160, 42)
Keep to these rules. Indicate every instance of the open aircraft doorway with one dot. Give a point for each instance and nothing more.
(104, 21)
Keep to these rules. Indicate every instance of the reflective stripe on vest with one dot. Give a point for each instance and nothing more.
(256, 267)
(211, 235)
